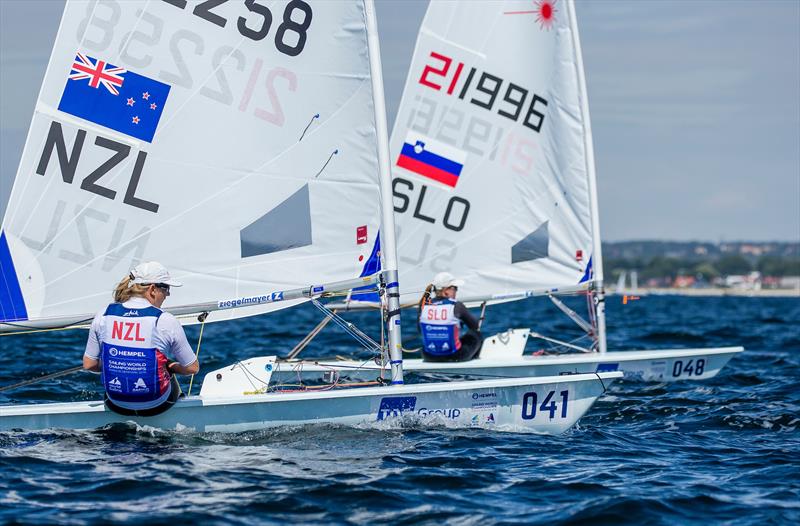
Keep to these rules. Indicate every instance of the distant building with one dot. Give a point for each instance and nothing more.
(683, 282)
(751, 281)
(789, 282)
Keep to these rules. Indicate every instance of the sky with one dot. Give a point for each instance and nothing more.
(695, 108)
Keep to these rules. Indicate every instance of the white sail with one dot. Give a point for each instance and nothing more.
(491, 149)
(234, 143)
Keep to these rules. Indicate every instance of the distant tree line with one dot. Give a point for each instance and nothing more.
(670, 267)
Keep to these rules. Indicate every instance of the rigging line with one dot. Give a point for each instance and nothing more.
(367, 342)
(250, 374)
(330, 366)
(202, 320)
(36, 380)
(571, 314)
(559, 342)
(483, 315)
(326, 162)
(308, 126)
(601, 381)
(308, 337)
(68, 327)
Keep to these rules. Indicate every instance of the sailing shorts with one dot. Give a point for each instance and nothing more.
(471, 344)
(174, 394)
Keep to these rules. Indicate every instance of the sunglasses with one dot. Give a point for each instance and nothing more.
(162, 286)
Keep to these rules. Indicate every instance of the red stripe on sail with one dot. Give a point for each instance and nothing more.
(427, 170)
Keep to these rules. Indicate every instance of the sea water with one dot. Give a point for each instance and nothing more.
(719, 451)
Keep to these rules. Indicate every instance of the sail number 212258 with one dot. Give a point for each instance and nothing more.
(530, 403)
(258, 28)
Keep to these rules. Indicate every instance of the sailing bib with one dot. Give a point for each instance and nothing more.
(439, 327)
(134, 371)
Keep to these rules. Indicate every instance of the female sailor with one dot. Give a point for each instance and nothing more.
(440, 319)
(130, 341)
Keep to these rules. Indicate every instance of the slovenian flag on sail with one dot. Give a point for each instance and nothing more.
(114, 97)
(432, 159)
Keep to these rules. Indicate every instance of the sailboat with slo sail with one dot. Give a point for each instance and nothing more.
(245, 147)
(494, 182)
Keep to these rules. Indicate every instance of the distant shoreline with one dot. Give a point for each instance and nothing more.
(711, 291)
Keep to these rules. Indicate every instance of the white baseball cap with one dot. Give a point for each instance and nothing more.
(442, 280)
(152, 272)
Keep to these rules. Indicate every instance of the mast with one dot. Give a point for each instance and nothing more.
(388, 244)
(597, 256)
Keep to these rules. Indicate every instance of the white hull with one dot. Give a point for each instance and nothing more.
(502, 356)
(515, 404)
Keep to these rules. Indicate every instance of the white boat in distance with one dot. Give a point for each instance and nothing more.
(245, 147)
(494, 181)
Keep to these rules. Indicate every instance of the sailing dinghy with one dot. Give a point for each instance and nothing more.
(245, 147)
(494, 181)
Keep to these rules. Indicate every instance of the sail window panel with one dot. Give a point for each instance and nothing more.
(285, 227)
(533, 246)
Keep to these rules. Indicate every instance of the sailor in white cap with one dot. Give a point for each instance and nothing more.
(440, 320)
(132, 340)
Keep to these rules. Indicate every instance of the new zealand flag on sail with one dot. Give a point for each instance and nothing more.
(114, 97)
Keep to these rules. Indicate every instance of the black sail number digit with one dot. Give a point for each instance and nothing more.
(298, 28)
(266, 21)
(536, 124)
(291, 36)
(203, 10)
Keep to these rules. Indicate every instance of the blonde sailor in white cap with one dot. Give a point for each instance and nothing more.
(440, 320)
(130, 341)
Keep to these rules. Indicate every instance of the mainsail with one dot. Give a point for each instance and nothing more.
(234, 142)
(491, 151)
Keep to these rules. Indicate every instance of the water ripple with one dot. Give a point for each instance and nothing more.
(724, 450)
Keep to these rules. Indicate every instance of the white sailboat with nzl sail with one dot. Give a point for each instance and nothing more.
(243, 145)
(494, 182)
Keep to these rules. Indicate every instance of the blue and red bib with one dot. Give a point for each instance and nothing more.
(439, 327)
(134, 370)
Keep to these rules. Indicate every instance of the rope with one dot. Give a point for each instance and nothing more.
(601, 381)
(308, 126)
(483, 315)
(308, 337)
(202, 320)
(34, 331)
(559, 342)
(50, 376)
(335, 152)
(365, 341)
